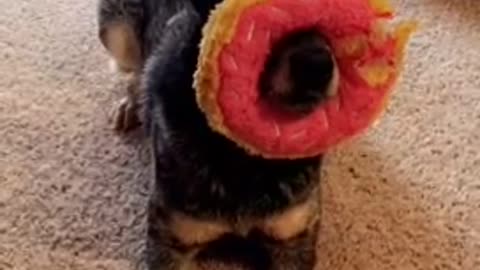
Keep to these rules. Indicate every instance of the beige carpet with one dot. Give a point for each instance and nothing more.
(72, 194)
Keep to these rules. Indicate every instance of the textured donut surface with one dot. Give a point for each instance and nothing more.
(237, 40)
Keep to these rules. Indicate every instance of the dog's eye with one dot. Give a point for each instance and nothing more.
(190, 231)
(291, 222)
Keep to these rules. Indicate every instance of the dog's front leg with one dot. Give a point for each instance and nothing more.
(120, 27)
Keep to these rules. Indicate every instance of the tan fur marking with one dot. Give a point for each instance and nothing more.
(122, 44)
(291, 222)
(190, 231)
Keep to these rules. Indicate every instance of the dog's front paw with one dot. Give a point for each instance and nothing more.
(125, 116)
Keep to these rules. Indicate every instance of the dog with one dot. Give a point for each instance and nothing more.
(212, 205)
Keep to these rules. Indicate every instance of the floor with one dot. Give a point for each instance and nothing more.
(72, 194)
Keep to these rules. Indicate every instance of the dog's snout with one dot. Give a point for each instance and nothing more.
(311, 72)
(299, 72)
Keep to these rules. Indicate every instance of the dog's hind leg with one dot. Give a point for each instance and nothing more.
(121, 25)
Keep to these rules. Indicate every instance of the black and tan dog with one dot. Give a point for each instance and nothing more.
(213, 206)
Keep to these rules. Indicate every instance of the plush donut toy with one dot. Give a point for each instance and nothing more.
(237, 40)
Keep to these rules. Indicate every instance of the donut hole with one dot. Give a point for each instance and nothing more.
(299, 72)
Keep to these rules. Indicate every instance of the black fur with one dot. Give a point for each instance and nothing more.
(197, 171)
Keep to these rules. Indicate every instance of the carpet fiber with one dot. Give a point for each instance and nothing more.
(72, 193)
